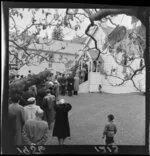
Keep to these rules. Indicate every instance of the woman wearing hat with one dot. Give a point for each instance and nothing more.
(61, 127)
(31, 109)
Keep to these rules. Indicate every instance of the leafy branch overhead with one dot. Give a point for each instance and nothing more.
(57, 33)
(125, 46)
(117, 37)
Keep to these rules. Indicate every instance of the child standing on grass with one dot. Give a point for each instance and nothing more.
(110, 130)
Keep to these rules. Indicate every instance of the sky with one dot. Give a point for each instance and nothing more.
(69, 33)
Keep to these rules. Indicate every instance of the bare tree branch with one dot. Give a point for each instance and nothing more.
(110, 20)
(20, 47)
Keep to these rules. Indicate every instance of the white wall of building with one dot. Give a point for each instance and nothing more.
(34, 69)
(109, 85)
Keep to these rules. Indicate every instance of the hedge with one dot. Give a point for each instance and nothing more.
(18, 86)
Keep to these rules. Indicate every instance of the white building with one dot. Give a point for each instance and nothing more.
(57, 56)
(110, 84)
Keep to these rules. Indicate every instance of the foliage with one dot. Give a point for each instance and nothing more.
(19, 85)
(57, 33)
(20, 39)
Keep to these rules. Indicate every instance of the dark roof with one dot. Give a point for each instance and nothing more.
(79, 40)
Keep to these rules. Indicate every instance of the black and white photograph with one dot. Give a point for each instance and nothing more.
(76, 76)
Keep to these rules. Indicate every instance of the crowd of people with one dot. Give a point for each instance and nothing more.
(39, 109)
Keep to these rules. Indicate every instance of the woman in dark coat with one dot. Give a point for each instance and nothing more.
(61, 126)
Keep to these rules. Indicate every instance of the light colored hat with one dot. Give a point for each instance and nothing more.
(39, 112)
(31, 100)
(61, 101)
(51, 83)
(55, 81)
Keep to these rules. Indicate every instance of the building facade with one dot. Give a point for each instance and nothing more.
(105, 71)
(57, 56)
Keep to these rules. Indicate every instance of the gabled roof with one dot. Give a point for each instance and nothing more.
(107, 30)
(73, 41)
(58, 46)
(79, 40)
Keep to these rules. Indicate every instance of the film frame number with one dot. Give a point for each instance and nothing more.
(31, 149)
(107, 149)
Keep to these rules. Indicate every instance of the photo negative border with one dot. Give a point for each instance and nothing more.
(68, 149)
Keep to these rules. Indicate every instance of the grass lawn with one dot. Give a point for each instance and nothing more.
(89, 116)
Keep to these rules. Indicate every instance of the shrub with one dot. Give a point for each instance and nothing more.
(18, 86)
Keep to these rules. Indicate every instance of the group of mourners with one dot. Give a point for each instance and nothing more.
(68, 84)
(36, 111)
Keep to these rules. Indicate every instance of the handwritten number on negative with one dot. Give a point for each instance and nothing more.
(107, 149)
(31, 149)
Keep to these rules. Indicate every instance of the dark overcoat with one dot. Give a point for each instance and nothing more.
(18, 110)
(11, 129)
(70, 83)
(61, 126)
(63, 85)
(48, 107)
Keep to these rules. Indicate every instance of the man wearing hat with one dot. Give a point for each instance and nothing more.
(31, 109)
(48, 107)
(35, 131)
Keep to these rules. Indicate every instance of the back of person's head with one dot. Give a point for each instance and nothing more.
(29, 71)
(15, 98)
(31, 100)
(21, 76)
(39, 113)
(110, 117)
(55, 82)
(17, 76)
(61, 101)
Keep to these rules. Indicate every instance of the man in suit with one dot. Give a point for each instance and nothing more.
(70, 85)
(35, 131)
(63, 85)
(48, 107)
(18, 111)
